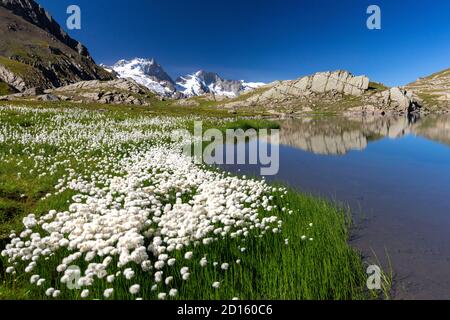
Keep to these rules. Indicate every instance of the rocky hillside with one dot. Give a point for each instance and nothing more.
(118, 91)
(337, 91)
(433, 90)
(36, 52)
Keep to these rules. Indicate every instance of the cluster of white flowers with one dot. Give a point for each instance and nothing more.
(144, 202)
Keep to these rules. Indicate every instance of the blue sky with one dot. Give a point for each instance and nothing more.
(268, 40)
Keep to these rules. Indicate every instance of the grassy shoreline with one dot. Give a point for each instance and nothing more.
(308, 258)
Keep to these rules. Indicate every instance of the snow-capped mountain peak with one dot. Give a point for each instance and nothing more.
(146, 72)
(152, 75)
(203, 82)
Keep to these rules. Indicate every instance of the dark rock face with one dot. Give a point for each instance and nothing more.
(36, 52)
(35, 14)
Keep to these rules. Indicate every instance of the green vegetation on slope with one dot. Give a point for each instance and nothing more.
(377, 86)
(16, 67)
(5, 89)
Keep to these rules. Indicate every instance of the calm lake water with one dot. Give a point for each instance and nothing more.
(394, 173)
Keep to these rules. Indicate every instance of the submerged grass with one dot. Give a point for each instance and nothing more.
(309, 259)
(252, 124)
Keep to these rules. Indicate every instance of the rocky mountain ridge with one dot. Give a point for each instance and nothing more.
(152, 75)
(35, 14)
(148, 73)
(203, 82)
(36, 52)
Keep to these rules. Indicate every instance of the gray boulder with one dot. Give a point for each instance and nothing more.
(320, 83)
(47, 97)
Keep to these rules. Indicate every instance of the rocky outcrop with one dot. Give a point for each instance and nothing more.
(394, 100)
(119, 91)
(322, 82)
(434, 91)
(12, 79)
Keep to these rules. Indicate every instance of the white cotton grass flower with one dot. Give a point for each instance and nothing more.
(159, 265)
(49, 292)
(171, 262)
(186, 276)
(188, 255)
(168, 280)
(134, 289)
(225, 266)
(40, 282)
(184, 270)
(158, 276)
(61, 268)
(56, 294)
(162, 295)
(10, 270)
(110, 278)
(29, 268)
(34, 278)
(203, 262)
(108, 293)
(128, 273)
(216, 285)
(84, 294)
(146, 265)
(173, 292)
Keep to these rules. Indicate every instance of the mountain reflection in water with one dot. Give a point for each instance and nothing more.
(339, 135)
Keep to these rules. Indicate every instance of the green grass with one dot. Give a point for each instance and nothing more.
(5, 89)
(253, 124)
(15, 66)
(377, 86)
(325, 267)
